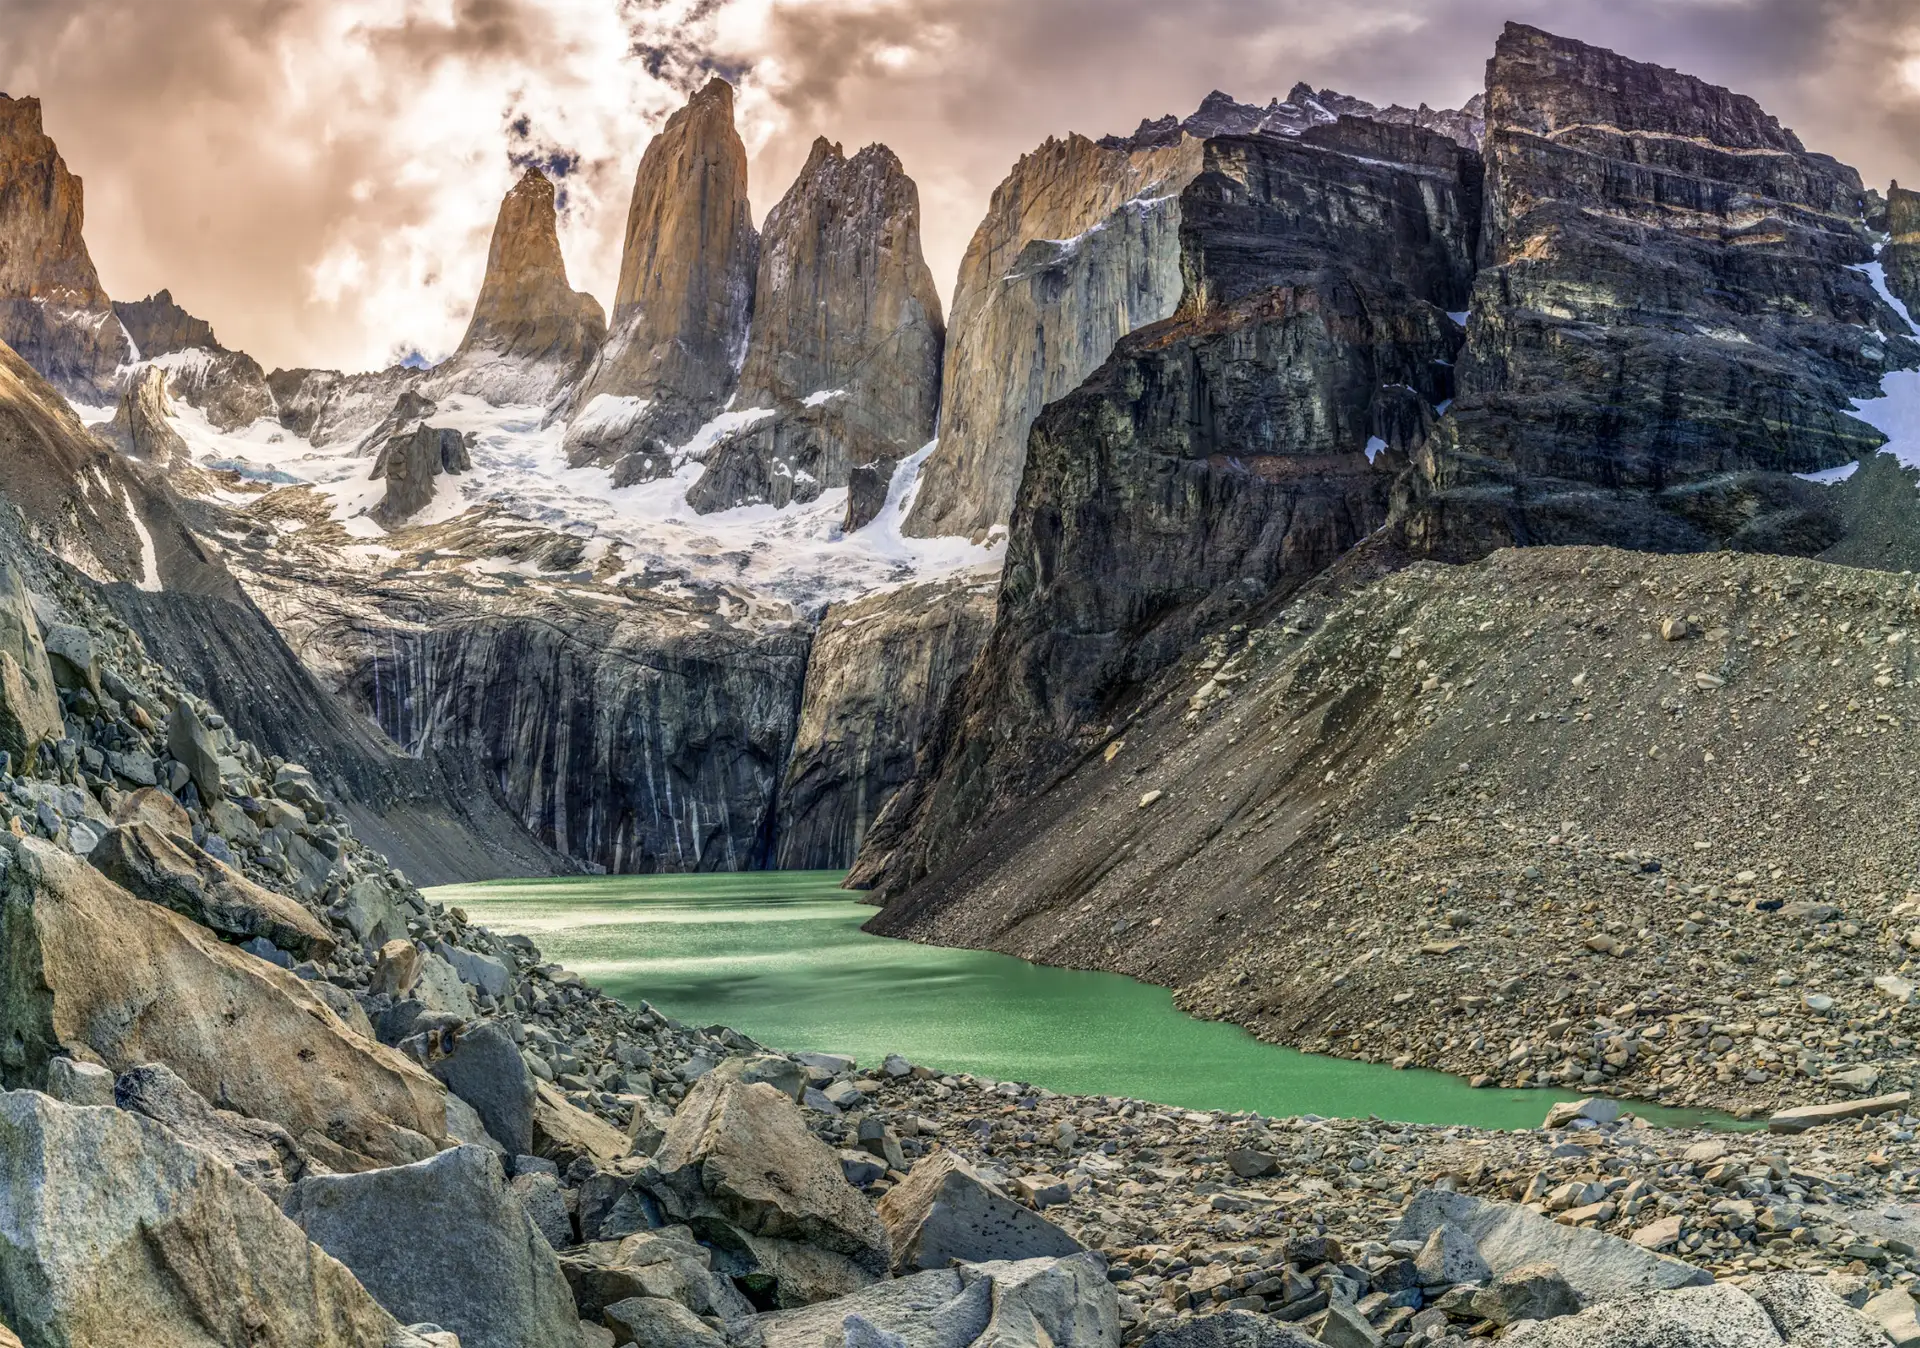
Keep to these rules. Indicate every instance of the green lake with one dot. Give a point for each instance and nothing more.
(780, 956)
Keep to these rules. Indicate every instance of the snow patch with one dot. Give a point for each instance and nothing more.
(1375, 447)
(1460, 318)
(149, 554)
(608, 415)
(1896, 412)
(823, 397)
(1826, 477)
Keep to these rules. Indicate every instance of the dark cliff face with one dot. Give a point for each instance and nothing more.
(1668, 324)
(846, 336)
(1223, 457)
(630, 743)
(160, 327)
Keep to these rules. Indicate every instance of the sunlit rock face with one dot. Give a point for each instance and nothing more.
(846, 339)
(679, 326)
(532, 336)
(53, 310)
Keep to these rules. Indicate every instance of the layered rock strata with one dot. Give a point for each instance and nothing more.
(1671, 321)
(532, 336)
(846, 339)
(679, 326)
(1224, 457)
(53, 309)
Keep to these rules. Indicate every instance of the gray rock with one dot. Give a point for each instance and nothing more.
(1067, 1303)
(1598, 1266)
(481, 971)
(369, 912)
(1596, 1109)
(1894, 1313)
(1534, 1291)
(114, 1229)
(79, 1083)
(74, 660)
(1812, 1116)
(1230, 1329)
(668, 1264)
(440, 988)
(446, 1241)
(743, 1154)
(659, 1323)
(1807, 1314)
(192, 744)
(1450, 1257)
(1716, 1316)
(945, 1211)
(1345, 1327)
(786, 1274)
(263, 1154)
(485, 1069)
(546, 1204)
(464, 1126)
(783, 1074)
(1250, 1164)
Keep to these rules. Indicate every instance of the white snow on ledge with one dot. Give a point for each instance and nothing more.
(1896, 412)
(823, 397)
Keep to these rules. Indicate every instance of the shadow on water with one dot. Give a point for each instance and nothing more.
(780, 956)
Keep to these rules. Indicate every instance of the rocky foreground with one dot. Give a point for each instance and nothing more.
(260, 1090)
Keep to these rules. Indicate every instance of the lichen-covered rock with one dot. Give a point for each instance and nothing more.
(53, 309)
(173, 993)
(679, 323)
(846, 336)
(531, 334)
(118, 1236)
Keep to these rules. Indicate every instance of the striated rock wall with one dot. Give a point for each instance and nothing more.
(1219, 459)
(1079, 247)
(847, 336)
(532, 336)
(1901, 255)
(635, 741)
(881, 674)
(53, 310)
(1668, 323)
(679, 325)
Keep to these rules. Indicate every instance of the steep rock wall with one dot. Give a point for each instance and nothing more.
(846, 339)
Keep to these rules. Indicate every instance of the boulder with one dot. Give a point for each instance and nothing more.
(1449, 1257)
(546, 1204)
(1812, 1116)
(370, 914)
(191, 742)
(117, 1234)
(1894, 1313)
(263, 1154)
(783, 1074)
(229, 1024)
(484, 1068)
(29, 700)
(155, 808)
(667, 1263)
(1594, 1109)
(784, 1274)
(396, 970)
(172, 872)
(1599, 1267)
(476, 970)
(445, 1241)
(659, 1323)
(743, 1154)
(1066, 1303)
(73, 657)
(1717, 1316)
(563, 1133)
(440, 988)
(79, 1083)
(1528, 1292)
(945, 1212)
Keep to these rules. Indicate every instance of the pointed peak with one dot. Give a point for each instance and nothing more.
(824, 149)
(714, 90)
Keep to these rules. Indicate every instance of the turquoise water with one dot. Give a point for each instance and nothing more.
(780, 956)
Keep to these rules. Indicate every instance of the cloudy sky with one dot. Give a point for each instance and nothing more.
(319, 177)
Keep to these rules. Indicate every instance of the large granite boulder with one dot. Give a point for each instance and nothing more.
(739, 1157)
(1780, 1309)
(115, 1235)
(83, 962)
(484, 1068)
(1598, 1266)
(171, 871)
(1066, 1303)
(945, 1212)
(444, 1241)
